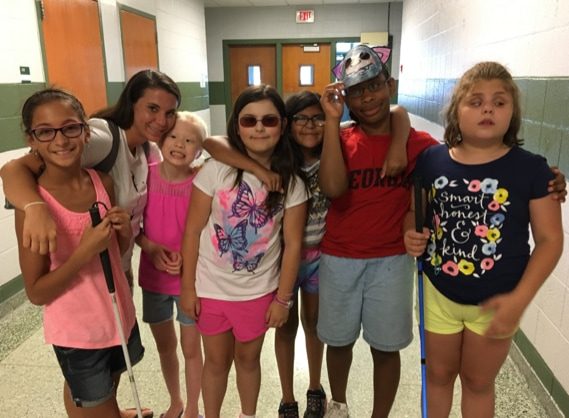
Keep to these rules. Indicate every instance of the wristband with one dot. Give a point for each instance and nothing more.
(285, 304)
(37, 202)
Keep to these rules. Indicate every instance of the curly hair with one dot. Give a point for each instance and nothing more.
(483, 71)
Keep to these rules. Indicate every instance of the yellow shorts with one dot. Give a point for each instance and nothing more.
(443, 316)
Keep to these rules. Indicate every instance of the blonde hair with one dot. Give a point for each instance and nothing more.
(195, 120)
(191, 118)
(483, 71)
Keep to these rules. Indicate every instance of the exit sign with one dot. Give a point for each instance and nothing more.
(305, 16)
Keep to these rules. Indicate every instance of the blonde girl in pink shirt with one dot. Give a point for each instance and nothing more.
(169, 190)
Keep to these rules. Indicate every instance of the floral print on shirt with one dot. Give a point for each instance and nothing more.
(467, 224)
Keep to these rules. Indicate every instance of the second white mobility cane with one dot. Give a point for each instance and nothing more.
(419, 219)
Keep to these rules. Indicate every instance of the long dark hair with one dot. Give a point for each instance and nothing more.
(122, 112)
(285, 159)
(297, 103)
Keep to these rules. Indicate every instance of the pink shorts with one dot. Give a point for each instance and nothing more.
(246, 318)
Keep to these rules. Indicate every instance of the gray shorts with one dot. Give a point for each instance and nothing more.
(375, 294)
(157, 307)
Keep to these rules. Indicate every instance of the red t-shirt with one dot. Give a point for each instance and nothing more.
(367, 220)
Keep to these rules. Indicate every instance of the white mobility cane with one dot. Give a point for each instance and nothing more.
(106, 262)
(419, 228)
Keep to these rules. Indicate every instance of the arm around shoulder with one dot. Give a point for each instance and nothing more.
(220, 149)
(19, 180)
(20, 188)
(44, 285)
(396, 159)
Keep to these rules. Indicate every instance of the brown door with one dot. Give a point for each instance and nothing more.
(138, 42)
(73, 50)
(242, 57)
(296, 56)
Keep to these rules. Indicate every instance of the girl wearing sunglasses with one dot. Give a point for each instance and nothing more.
(241, 249)
(306, 123)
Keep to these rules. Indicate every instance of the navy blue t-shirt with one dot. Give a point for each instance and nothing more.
(479, 221)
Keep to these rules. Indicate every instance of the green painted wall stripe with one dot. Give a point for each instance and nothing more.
(13, 97)
(543, 372)
(12, 136)
(216, 93)
(114, 89)
(9, 289)
(194, 98)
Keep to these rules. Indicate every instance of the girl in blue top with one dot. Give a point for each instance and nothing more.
(483, 190)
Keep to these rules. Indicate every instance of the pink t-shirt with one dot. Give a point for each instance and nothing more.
(164, 223)
(82, 317)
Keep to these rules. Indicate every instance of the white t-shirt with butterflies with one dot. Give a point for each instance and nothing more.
(240, 246)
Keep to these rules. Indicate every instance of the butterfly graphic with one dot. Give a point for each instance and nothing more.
(239, 262)
(235, 240)
(245, 205)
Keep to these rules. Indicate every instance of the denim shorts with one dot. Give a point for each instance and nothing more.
(375, 294)
(157, 307)
(307, 278)
(90, 373)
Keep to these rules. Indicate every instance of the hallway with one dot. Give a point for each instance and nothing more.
(30, 379)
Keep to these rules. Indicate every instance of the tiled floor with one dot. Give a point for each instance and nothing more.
(31, 382)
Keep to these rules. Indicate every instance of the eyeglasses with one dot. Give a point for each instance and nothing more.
(268, 121)
(302, 120)
(70, 131)
(358, 90)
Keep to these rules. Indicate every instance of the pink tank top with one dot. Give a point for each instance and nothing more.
(164, 223)
(82, 317)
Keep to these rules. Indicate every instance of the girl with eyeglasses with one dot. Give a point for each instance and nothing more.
(241, 249)
(144, 112)
(69, 282)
